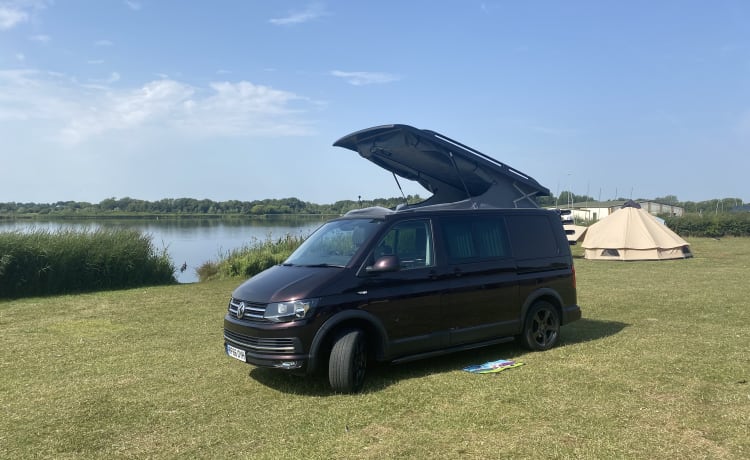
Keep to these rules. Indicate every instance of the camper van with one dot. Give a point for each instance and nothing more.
(476, 264)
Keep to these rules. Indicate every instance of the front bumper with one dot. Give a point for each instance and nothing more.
(266, 345)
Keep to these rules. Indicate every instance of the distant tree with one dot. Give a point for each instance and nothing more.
(669, 199)
(108, 204)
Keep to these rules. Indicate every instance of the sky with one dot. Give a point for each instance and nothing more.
(242, 100)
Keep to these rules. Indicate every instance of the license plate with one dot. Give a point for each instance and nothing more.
(236, 353)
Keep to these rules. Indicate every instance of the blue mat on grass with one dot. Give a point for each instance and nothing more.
(493, 367)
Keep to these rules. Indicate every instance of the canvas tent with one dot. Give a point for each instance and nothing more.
(631, 233)
(574, 232)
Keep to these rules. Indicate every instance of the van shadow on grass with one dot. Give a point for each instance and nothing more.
(382, 375)
(586, 330)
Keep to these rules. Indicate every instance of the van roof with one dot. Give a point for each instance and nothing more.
(458, 176)
(379, 212)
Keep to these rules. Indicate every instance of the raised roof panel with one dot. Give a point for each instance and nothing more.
(455, 174)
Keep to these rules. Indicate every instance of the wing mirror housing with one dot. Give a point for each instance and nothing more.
(384, 264)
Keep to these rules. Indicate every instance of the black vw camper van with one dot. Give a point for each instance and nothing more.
(476, 264)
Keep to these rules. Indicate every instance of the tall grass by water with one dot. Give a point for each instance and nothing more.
(250, 259)
(42, 262)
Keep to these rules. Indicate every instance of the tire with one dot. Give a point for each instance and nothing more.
(541, 329)
(348, 362)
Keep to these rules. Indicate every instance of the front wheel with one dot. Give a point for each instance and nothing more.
(541, 330)
(348, 362)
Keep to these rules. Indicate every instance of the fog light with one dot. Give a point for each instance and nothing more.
(288, 365)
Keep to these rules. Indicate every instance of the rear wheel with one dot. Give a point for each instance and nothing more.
(541, 330)
(348, 362)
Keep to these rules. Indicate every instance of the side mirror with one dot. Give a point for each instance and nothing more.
(384, 264)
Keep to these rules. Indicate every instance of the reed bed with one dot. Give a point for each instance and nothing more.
(43, 262)
(250, 259)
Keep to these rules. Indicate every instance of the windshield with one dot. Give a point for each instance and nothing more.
(334, 243)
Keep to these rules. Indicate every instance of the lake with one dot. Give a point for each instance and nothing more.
(189, 241)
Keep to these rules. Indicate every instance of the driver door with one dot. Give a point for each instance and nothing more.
(407, 300)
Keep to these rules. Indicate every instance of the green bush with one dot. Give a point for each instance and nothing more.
(250, 259)
(43, 262)
(710, 225)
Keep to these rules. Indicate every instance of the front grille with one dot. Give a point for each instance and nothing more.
(267, 346)
(253, 311)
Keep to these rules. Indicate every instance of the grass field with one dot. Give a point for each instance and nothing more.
(658, 368)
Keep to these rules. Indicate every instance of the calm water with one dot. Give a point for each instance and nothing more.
(189, 241)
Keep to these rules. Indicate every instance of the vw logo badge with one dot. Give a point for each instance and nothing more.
(241, 310)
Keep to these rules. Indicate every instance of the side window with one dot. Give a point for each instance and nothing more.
(458, 240)
(491, 237)
(411, 242)
(532, 237)
(474, 238)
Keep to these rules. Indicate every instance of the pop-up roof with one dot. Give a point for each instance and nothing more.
(456, 175)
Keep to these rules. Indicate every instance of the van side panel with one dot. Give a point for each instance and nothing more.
(481, 287)
(542, 256)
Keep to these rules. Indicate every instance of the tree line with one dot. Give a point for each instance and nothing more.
(192, 206)
(289, 206)
(717, 205)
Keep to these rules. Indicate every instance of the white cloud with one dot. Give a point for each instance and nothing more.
(78, 113)
(11, 16)
(135, 6)
(365, 78)
(32, 95)
(103, 43)
(312, 12)
(40, 38)
(488, 7)
(243, 108)
(20, 57)
(112, 111)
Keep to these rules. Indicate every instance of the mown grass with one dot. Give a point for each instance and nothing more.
(658, 368)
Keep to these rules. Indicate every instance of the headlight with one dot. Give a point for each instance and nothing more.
(289, 311)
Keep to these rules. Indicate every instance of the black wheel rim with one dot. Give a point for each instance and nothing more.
(544, 328)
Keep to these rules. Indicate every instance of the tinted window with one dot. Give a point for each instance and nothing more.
(532, 236)
(470, 238)
(411, 242)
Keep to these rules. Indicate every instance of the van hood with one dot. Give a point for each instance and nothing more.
(282, 283)
(452, 172)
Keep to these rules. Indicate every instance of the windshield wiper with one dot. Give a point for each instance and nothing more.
(324, 265)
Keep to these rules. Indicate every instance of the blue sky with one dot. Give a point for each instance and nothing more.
(243, 99)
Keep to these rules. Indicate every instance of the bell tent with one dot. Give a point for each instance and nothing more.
(630, 233)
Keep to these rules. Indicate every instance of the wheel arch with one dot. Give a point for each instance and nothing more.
(323, 340)
(546, 294)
